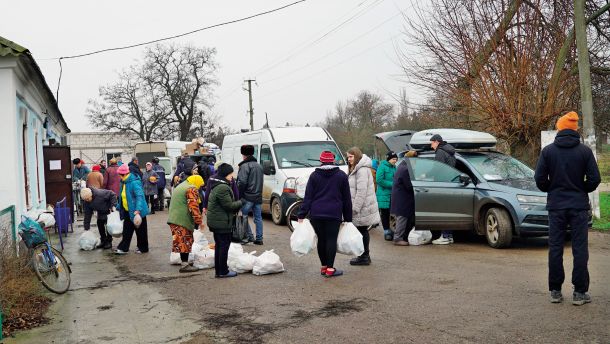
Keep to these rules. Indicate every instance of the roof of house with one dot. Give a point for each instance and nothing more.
(10, 48)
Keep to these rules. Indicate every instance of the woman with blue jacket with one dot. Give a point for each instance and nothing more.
(385, 178)
(133, 210)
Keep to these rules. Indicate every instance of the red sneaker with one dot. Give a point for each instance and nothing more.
(323, 270)
(332, 272)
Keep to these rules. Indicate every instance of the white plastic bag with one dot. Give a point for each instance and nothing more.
(243, 262)
(203, 259)
(114, 226)
(419, 237)
(303, 239)
(200, 239)
(267, 263)
(174, 258)
(350, 240)
(88, 240)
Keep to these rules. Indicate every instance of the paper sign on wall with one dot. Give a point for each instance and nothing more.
(54, 165)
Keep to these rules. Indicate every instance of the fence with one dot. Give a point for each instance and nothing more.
(7, 222)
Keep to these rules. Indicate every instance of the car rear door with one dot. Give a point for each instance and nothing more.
(442, 202)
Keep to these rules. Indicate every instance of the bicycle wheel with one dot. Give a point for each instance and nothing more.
(51, 268)
(292, 216)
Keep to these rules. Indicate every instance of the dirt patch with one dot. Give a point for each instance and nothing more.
(333, 308)
(105, 308)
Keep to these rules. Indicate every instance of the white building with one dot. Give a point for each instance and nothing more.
(92, 147)
(30, 120)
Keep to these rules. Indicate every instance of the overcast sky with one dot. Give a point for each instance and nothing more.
(359, 55)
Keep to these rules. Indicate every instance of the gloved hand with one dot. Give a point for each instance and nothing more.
(137, 220)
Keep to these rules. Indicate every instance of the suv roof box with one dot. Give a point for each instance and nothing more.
(458, 138)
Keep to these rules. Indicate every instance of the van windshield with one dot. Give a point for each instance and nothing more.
(167, 165)
(304, 154)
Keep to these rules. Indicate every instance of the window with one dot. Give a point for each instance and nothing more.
(305, 154)
(266, 154)
(428, 170)
(110, 156)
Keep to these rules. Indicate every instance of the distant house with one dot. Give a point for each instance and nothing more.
(30, 119)
(92, 147)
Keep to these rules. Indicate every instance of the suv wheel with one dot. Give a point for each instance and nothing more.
(498, 228)
(277, 213)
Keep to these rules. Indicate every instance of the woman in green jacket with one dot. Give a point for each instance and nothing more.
(385, 176)
(222, 208)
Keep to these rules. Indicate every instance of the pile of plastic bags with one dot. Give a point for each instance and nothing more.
(417, 238)
(267, 263)
(88, 240)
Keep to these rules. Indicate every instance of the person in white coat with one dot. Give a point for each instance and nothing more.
(365, 212)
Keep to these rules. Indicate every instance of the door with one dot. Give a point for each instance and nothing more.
(58, 175)
(270, 179)
(442, 202)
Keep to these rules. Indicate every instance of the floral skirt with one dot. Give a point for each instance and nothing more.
(182, 239)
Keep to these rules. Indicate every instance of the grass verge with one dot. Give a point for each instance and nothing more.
(604, 205)
(21, 294)
(603, 161)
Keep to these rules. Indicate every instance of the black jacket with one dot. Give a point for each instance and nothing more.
(327, 196)
(103, 201)
(250, 180)
(567, 170)
(403, 197)
(445, 153)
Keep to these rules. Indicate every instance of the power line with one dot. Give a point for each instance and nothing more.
(184, 34)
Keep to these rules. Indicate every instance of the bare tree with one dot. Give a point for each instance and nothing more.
(129, 105)
(185, 76)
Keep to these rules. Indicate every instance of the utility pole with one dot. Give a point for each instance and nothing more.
(249, 81)
(586, 96)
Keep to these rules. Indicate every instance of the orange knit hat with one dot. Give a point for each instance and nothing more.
(568, 121)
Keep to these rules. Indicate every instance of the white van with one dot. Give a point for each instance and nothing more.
(285, 154)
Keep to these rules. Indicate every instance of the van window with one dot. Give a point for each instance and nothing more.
(266, 154)
(305, 154)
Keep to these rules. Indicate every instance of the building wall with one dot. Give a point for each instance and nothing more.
(95, 146)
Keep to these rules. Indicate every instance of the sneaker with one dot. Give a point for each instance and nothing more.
(401, 243)
(323, 270)
(331, 272)
(443, 241)
(556, 296)
(580, 299)
(361, 260)
(107, 245)
(138, 251)
(258, 242)
(230, 274)
(188, 268)
(120, 252)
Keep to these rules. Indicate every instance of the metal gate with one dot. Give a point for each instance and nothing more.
(58, 175)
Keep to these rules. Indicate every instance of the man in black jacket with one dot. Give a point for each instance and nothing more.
(567, 170)
(250, 186)
(103, 201)
(445, 153)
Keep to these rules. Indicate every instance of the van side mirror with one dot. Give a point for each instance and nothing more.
(268, 168)
(465, 179)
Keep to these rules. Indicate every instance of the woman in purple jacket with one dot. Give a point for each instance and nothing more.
(328, 203)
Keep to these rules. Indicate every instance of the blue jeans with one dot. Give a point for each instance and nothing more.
(256, 209)
(447, 234)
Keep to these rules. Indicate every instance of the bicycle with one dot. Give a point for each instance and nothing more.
(49, 264)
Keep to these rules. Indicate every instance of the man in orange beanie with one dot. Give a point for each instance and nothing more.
(567, 171)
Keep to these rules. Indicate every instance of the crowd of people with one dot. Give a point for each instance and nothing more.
(367, 195)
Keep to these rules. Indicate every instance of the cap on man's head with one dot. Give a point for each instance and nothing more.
(437, 138)
(247, 150)
(76, 161)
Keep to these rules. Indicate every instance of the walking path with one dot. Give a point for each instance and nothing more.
(106, 305)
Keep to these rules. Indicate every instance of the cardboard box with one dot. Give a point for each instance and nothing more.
(192, 147)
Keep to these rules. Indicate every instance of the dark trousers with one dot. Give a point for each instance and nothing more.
(558, 224)
(327, 232)
(101, 227)
(385, 218)
(141, 234)
(221, 252)
(161, 199)
(150, 201)
(366, 238)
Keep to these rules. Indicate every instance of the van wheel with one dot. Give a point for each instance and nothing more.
(277, 214)
(498, 228)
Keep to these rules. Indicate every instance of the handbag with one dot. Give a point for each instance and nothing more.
(241, 228)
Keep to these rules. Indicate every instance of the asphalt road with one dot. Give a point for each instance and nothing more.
(465, 292)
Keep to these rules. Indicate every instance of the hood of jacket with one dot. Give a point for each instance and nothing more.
(247, 160)
(329, 171)
(365, 161)
(447, 148)
(131, 178)
(215, 181)
(387, 164)
(567, 138)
